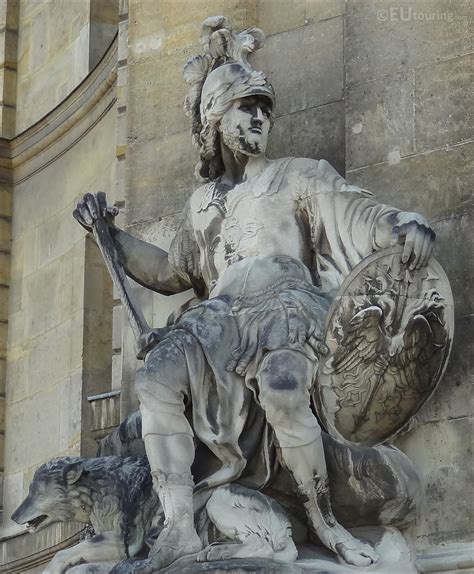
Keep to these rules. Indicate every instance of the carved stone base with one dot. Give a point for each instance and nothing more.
(395, 557)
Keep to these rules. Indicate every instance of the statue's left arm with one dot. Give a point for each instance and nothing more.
(348, 224)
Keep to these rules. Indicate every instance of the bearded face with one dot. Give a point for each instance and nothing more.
(246, 125)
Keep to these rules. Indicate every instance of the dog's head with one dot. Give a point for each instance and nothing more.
(54, 495)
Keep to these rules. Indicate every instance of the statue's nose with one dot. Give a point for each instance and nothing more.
(257, 116)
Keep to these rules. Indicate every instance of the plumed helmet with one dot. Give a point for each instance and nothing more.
(228, 83)
(220, 76)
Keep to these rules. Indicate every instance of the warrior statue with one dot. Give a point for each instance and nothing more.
(265, 244)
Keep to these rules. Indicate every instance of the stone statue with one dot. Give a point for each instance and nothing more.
(113, 494)
(225, 392)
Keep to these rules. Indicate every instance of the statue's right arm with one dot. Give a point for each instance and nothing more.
(147, 264)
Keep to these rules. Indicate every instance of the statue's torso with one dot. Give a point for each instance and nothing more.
(259, 217)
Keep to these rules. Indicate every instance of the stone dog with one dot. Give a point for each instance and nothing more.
(116, 497)
(113, 494)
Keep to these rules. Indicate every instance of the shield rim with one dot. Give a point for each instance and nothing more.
(316, 392)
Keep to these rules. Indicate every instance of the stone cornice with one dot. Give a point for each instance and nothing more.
(53, 135)
(23, 551)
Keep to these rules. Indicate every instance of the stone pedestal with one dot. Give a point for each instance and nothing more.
(395, 557)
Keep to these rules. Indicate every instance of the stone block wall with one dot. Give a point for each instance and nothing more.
(9, 16)
(61, 40)
(55, 292)
(53, 41)
(304, 60)
(409, 138)
(59, 338)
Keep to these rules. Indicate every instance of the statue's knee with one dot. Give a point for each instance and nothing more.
(283, 384)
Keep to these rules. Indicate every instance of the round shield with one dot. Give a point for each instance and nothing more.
(389, 334)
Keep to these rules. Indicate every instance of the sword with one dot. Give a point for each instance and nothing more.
(145, 337)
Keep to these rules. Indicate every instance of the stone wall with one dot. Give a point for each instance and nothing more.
(409, 138)
(59, 292)
(56, 294)
(59, 43)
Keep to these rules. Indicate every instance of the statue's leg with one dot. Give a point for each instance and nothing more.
(285, 378)
(162, 386)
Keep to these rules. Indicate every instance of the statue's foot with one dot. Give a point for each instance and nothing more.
(349, 549)
(174, 542)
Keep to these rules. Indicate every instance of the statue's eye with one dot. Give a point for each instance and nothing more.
(244, 108)
(265, 111)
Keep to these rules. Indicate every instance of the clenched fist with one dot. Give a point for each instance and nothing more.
(92, 208)
(413, 232)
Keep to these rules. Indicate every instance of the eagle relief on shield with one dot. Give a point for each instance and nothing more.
(389, 333)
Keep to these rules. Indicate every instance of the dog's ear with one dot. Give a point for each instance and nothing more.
(72, 472)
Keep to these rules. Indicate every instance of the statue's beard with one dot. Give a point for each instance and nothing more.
(237, 142)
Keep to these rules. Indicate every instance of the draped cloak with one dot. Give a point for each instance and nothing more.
(252, 303)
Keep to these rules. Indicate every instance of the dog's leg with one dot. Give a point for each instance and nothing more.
(104, 547)
(250, 547)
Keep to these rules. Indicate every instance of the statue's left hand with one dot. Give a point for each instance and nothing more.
(414, 232)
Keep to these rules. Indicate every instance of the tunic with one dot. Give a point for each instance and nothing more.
(272, 252)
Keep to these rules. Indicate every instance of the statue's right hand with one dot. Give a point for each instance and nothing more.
(93, 208)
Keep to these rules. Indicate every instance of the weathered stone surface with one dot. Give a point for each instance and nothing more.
(55, 345)
(70, 413)
(453, 247)
(6, 200)
(443, 114)
(317, 133)
(275, 16)
(33, 430)
(152, 190)
(46, 31)
(453, 397)
(48, 302)
(323, 10)
(16, 378)
(440, 451)
(117, 321)
(55, 237)
(156, 87)
(379, 120)
(5, 240)
(157, 27)
(4, 302)
(386, 37)
(423, 182)
(280, 16)
(45, 299)
(13, 485)
(318, 77)
(3, 379)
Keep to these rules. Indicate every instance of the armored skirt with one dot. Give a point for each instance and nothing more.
(210, 364)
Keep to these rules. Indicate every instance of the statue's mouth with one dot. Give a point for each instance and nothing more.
(34, 523)
(256, 130)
